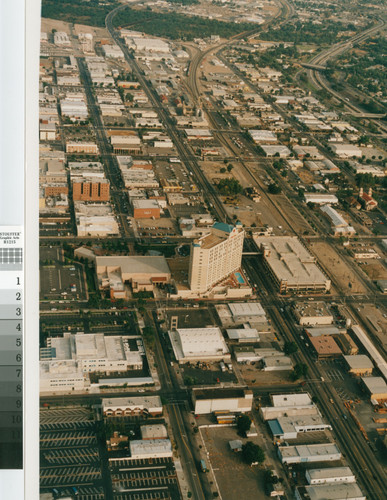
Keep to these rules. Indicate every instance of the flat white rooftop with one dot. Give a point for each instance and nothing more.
(288, 400)
(291, 262)
(340, 491)
(329, 473)
(360, 361)
(196, 343)
(311, 450)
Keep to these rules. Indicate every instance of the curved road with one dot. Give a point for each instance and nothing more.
(318, 79)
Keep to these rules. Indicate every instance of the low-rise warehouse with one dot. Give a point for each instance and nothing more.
(330, 475)
(233, 400)
(284, 428)
(341, 491)
(359, 365)
(325, 452)
(312, 313)
(290, 405)
(376, 388)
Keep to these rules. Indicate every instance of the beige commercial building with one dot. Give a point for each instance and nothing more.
(82, 147)
(216, 400)
(312, 313)
(376, 388)
(142, 272)
(346, 344)
(290, 265)
(359, 365)
(215, 256)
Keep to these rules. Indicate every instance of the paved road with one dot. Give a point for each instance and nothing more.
(358, 453)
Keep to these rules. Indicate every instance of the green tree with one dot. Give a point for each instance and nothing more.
(243, 424)
(300, 370)
(252, 453)
(229, 187)
(290, 347)
(274, 188)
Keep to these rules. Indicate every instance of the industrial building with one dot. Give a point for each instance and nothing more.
(154, 431)
(141, 406)
(330, 475)
(229, 400)
(289, 405)
(250, 354)
(341, 491)
(340, 226)
(346, 150)
(284, 428)
(326, 452)
(67, 362)
(319, 331)
(376, 388)
(241, 335)
(263, 136)
(320, 198)
(290, 265)
(359, 365)
(243, 315)
(325, 347)
(312, 313)
(199, 344)
(277, 363)
(215, 256)
(346, 344)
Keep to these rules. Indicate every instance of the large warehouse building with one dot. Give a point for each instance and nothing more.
(199, 344)
(290, 265)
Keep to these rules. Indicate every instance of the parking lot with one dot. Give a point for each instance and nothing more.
(190, 317)
(144, 479)
(69, 454)
(209, 375)
(62, 282)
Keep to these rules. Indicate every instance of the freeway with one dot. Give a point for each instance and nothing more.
(286, 11)
(321, 59)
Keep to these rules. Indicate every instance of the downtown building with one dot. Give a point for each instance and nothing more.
(215, 256)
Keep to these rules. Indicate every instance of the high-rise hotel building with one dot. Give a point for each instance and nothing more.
(215, 256)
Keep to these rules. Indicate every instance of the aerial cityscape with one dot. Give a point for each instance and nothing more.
(213, 249)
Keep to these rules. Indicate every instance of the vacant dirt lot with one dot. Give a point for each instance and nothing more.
(374, 269)
(228, 467)
(253, 376)
(339, 272)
